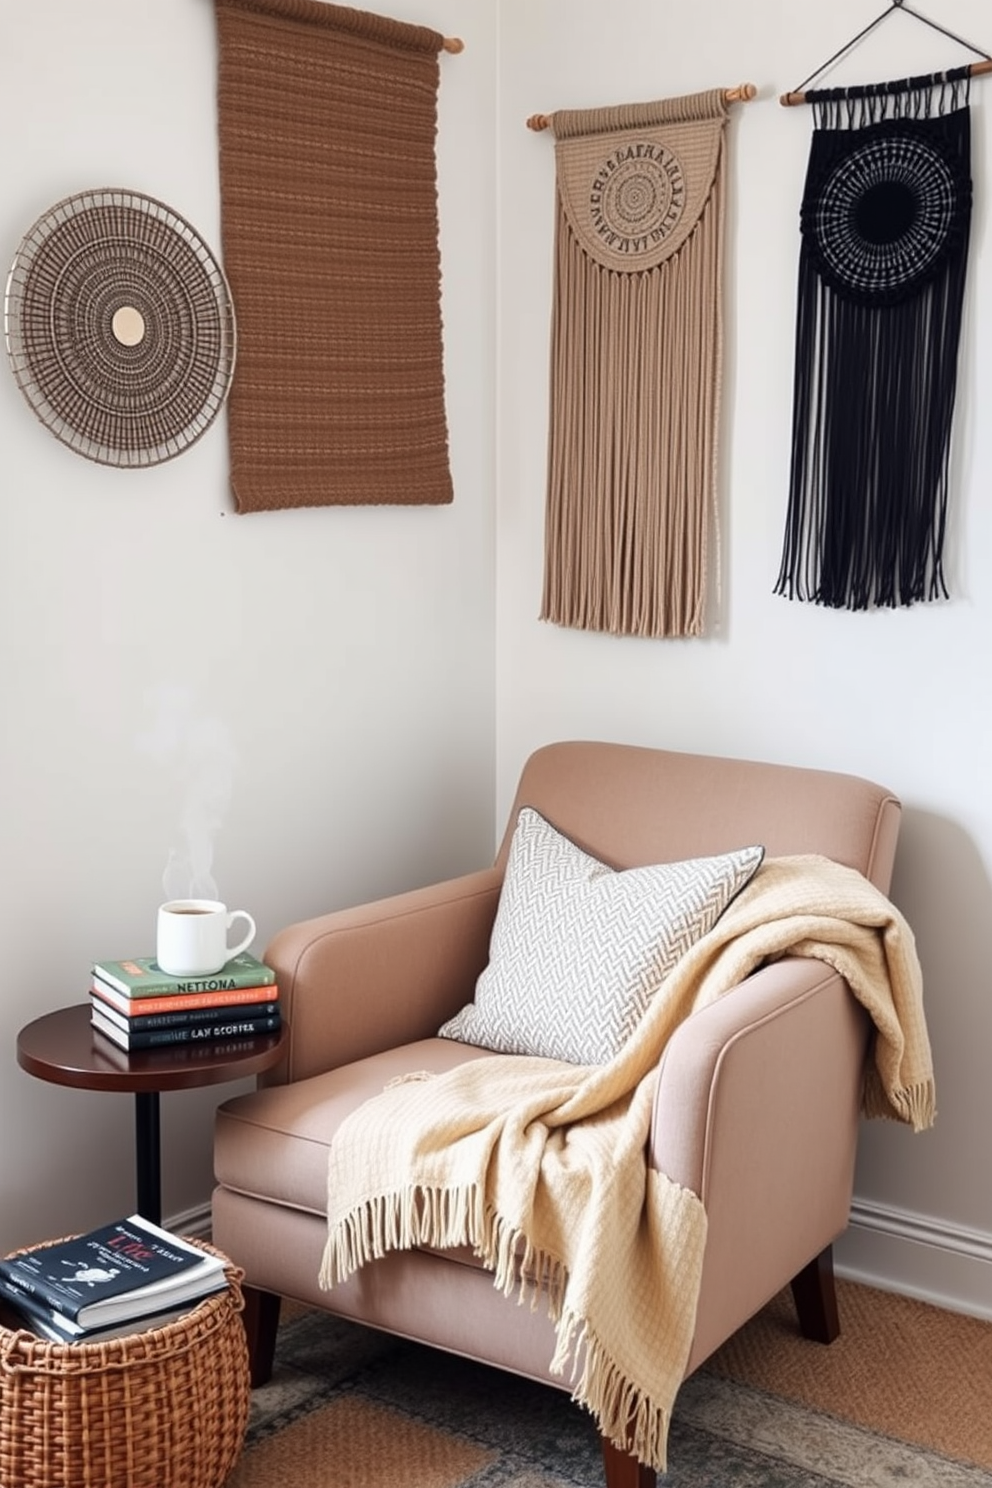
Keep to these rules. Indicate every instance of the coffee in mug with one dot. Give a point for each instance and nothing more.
(192, 936)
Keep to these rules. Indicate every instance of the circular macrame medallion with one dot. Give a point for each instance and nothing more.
(120, 327)
(885, 216)
(633, 196)
(638, 197)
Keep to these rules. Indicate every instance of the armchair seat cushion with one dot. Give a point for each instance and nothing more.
(273, 1144)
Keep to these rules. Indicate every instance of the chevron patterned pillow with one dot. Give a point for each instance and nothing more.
(578, 949)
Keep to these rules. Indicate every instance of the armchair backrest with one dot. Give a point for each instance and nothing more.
(632, 806)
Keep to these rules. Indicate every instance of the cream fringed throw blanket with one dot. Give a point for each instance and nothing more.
(540, 1165)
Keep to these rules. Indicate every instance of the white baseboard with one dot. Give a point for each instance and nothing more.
(194, 1222)
(899, 1251)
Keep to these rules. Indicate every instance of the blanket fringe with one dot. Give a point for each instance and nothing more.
(446, 1217)
(518, 1265)
(441, 1217)
(914, 1104)
(628, 1417)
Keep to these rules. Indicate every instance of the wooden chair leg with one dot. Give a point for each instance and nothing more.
(624, 1471)
(261, 1320)
(815, 1296)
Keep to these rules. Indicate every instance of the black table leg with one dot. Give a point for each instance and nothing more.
(147, 1153)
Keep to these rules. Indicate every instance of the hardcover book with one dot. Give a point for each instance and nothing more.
(180, 1003)
(235, 1026)
(132, 1017)
(57, 1328)
(119, 1271)
(143, 977)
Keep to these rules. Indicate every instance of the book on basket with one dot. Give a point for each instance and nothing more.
(234, 1024)
(117, 1274)
(143, 977)
(25, 1313)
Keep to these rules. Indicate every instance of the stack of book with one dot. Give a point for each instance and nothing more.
(123, 1278)
(139, 1006)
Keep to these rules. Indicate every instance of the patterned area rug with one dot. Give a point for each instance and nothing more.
(349, 1408)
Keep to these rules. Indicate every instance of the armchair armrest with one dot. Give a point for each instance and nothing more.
(795, 1017)
(358, 981)
(757, 1111)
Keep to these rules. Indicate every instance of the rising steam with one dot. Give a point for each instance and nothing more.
(198, 754)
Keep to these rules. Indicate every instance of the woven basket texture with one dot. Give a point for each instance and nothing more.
(162, 1409)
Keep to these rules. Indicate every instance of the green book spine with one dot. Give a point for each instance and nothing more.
(143, 977)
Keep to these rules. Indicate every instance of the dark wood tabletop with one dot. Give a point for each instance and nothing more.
(64, 1048)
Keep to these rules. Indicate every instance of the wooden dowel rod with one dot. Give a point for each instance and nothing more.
(975, 69)
(741, 94)
(453, 44)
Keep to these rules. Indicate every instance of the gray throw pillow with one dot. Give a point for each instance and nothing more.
(578, 949)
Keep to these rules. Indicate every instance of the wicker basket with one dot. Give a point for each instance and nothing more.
(162, 1409)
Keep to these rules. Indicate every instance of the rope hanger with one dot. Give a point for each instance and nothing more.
(798, 95)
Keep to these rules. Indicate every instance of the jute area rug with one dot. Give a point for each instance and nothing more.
(902, 1400)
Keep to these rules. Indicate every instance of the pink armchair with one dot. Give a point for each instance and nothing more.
(757, 1106)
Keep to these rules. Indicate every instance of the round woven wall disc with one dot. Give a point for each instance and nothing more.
(120, 327)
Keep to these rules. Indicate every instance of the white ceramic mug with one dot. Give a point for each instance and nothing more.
(192, 936)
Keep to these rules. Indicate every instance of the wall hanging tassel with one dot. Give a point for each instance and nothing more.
(885, 224)
(636, 345)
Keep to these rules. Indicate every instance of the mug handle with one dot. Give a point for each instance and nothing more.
(242, 945)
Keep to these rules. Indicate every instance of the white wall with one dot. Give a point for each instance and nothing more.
(901, 697)
(338, 663)
(344, 659)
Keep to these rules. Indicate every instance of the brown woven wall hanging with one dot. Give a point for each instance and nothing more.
(327, 125)
(635, 365)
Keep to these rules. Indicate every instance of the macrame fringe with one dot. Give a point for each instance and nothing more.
(631, 481)
(925, 96)
(874, 399)
(876, 355)
(635, 385)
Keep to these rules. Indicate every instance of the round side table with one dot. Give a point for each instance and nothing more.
(63, 1048)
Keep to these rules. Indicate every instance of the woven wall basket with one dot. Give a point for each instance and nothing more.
(120, 327)
(162, 1409)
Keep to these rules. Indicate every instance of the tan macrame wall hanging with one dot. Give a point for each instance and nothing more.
(636, 345)
(327, 123)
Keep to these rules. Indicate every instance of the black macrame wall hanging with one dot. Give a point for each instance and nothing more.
(885, 222)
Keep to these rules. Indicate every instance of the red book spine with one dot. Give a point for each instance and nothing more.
(133, 1007)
